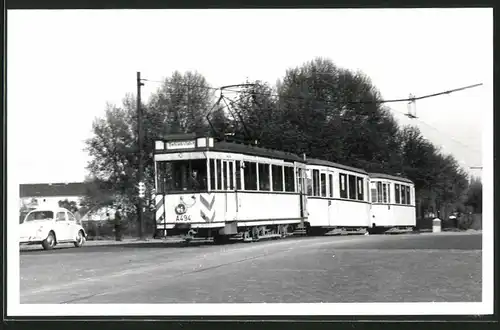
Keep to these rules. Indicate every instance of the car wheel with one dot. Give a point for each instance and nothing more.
(80, 239)
(49, 242)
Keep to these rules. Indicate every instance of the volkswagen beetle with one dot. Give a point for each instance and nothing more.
(51, 226)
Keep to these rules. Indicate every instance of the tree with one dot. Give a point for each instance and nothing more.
(69, 205)
(475, 195)
(178, 106)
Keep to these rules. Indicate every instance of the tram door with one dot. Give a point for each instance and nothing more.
(329, 193)
(301, 185)
(228, 169)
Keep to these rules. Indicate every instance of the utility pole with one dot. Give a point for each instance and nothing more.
(141, 151)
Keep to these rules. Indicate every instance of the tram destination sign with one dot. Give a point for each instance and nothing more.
(173, 145)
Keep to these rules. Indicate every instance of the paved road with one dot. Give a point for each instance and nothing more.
(409, 268)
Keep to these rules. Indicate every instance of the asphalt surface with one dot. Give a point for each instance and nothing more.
(378, 268)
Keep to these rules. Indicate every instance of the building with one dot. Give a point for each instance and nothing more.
(40, 194)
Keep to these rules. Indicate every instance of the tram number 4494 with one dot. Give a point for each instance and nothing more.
(183, 217)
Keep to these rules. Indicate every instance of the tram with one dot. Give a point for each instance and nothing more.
(392, 203)
(219, 189)
(337, 197)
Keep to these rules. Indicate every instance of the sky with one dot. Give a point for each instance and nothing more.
(64, 66)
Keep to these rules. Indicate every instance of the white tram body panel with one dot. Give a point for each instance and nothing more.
(393, 201)
(276, 208)
(332, 201)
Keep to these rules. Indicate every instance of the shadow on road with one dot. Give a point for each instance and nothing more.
(125, 245)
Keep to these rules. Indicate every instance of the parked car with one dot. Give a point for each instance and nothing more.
(50, 226)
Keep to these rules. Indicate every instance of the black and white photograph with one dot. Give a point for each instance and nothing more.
(250, 162)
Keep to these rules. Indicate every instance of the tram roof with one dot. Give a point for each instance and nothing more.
(389, 177)
(232, 147)
(320, 162)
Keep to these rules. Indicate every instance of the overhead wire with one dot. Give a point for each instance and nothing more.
(330, 102)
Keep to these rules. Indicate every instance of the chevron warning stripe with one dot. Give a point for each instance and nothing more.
(160, 208)
(207, 210)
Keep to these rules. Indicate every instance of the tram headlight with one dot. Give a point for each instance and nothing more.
(159, 145)
(201, 142)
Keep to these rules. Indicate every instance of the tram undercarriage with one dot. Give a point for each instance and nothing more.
(246, 233)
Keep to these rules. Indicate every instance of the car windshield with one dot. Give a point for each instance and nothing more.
(39, 215)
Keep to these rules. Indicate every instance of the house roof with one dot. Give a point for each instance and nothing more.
(76, 189)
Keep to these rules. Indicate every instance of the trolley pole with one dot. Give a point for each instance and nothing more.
(141, 150)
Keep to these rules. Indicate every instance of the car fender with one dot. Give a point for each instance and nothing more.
(80, 227)
(44, 232)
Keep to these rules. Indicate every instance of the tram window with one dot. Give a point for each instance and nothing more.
(374, 193)
(212, 174)
(224, 175)
(199, 174)
(330, 176)
(182, 175)
(219, 174)
(367, 191)
(162, 177)
(379, 192)
(309, 183)
(264, 180)
(323, 185)
(360, 189)
(289, 179)
(315, 182)
(408, 199)
(403, 194)
(238, 175)
(250, 176)
(277, 172)
(389, 193)
(231, 176)
(397, 195)
(352, 187)
(384, 189)
(343, 185)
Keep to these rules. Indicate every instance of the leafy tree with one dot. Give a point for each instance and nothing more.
(72, 206)
(178, 106)
(475, 195)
